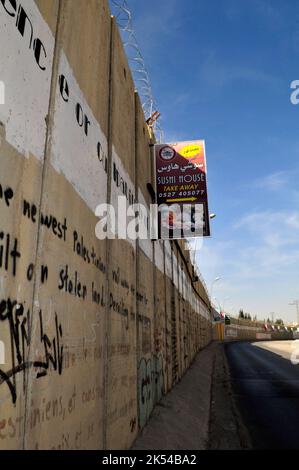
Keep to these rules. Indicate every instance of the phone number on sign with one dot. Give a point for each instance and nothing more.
(181, 194)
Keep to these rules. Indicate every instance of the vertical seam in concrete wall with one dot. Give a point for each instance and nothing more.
(179, 316)
(137, 260)
(186, 264)
(165, 320)
(155, 312)
(173, 306)
(108, 245)
(155, 316)
(44, 171)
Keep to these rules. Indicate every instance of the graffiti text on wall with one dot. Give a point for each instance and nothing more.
(150, 385)
(19, 321)
(26, 29)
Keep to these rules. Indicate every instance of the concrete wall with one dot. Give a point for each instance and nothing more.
(247, 330)
(239, 330)
(95, 331)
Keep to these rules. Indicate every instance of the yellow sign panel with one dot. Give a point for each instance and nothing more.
(190, 150)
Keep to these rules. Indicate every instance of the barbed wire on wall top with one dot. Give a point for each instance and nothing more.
(121, 11)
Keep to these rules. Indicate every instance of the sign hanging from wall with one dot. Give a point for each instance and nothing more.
(181, 190)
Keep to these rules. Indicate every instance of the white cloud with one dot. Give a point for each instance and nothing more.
(293, 221)
(267, 11)
(218, 74)
(274, 181)
(259, 264)
(271, 228)
(271, 16)
(153, 26)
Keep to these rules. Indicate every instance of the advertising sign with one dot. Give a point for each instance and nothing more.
(181, 188)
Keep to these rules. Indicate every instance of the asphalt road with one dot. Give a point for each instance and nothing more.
(265, 384)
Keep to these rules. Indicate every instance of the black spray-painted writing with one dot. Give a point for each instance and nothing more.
(19, 321)
(44, 273)
(9, 254)
(6, 194)
(25, 27)
(58, 228)
(71, 285)
(82, 119)
(87, 254)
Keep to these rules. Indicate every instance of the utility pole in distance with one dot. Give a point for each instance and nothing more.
(296, 303)
(272, 317)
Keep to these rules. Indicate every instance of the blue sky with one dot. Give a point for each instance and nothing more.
(221, 70)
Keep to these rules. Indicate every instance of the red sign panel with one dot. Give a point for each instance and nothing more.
(181, 183)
